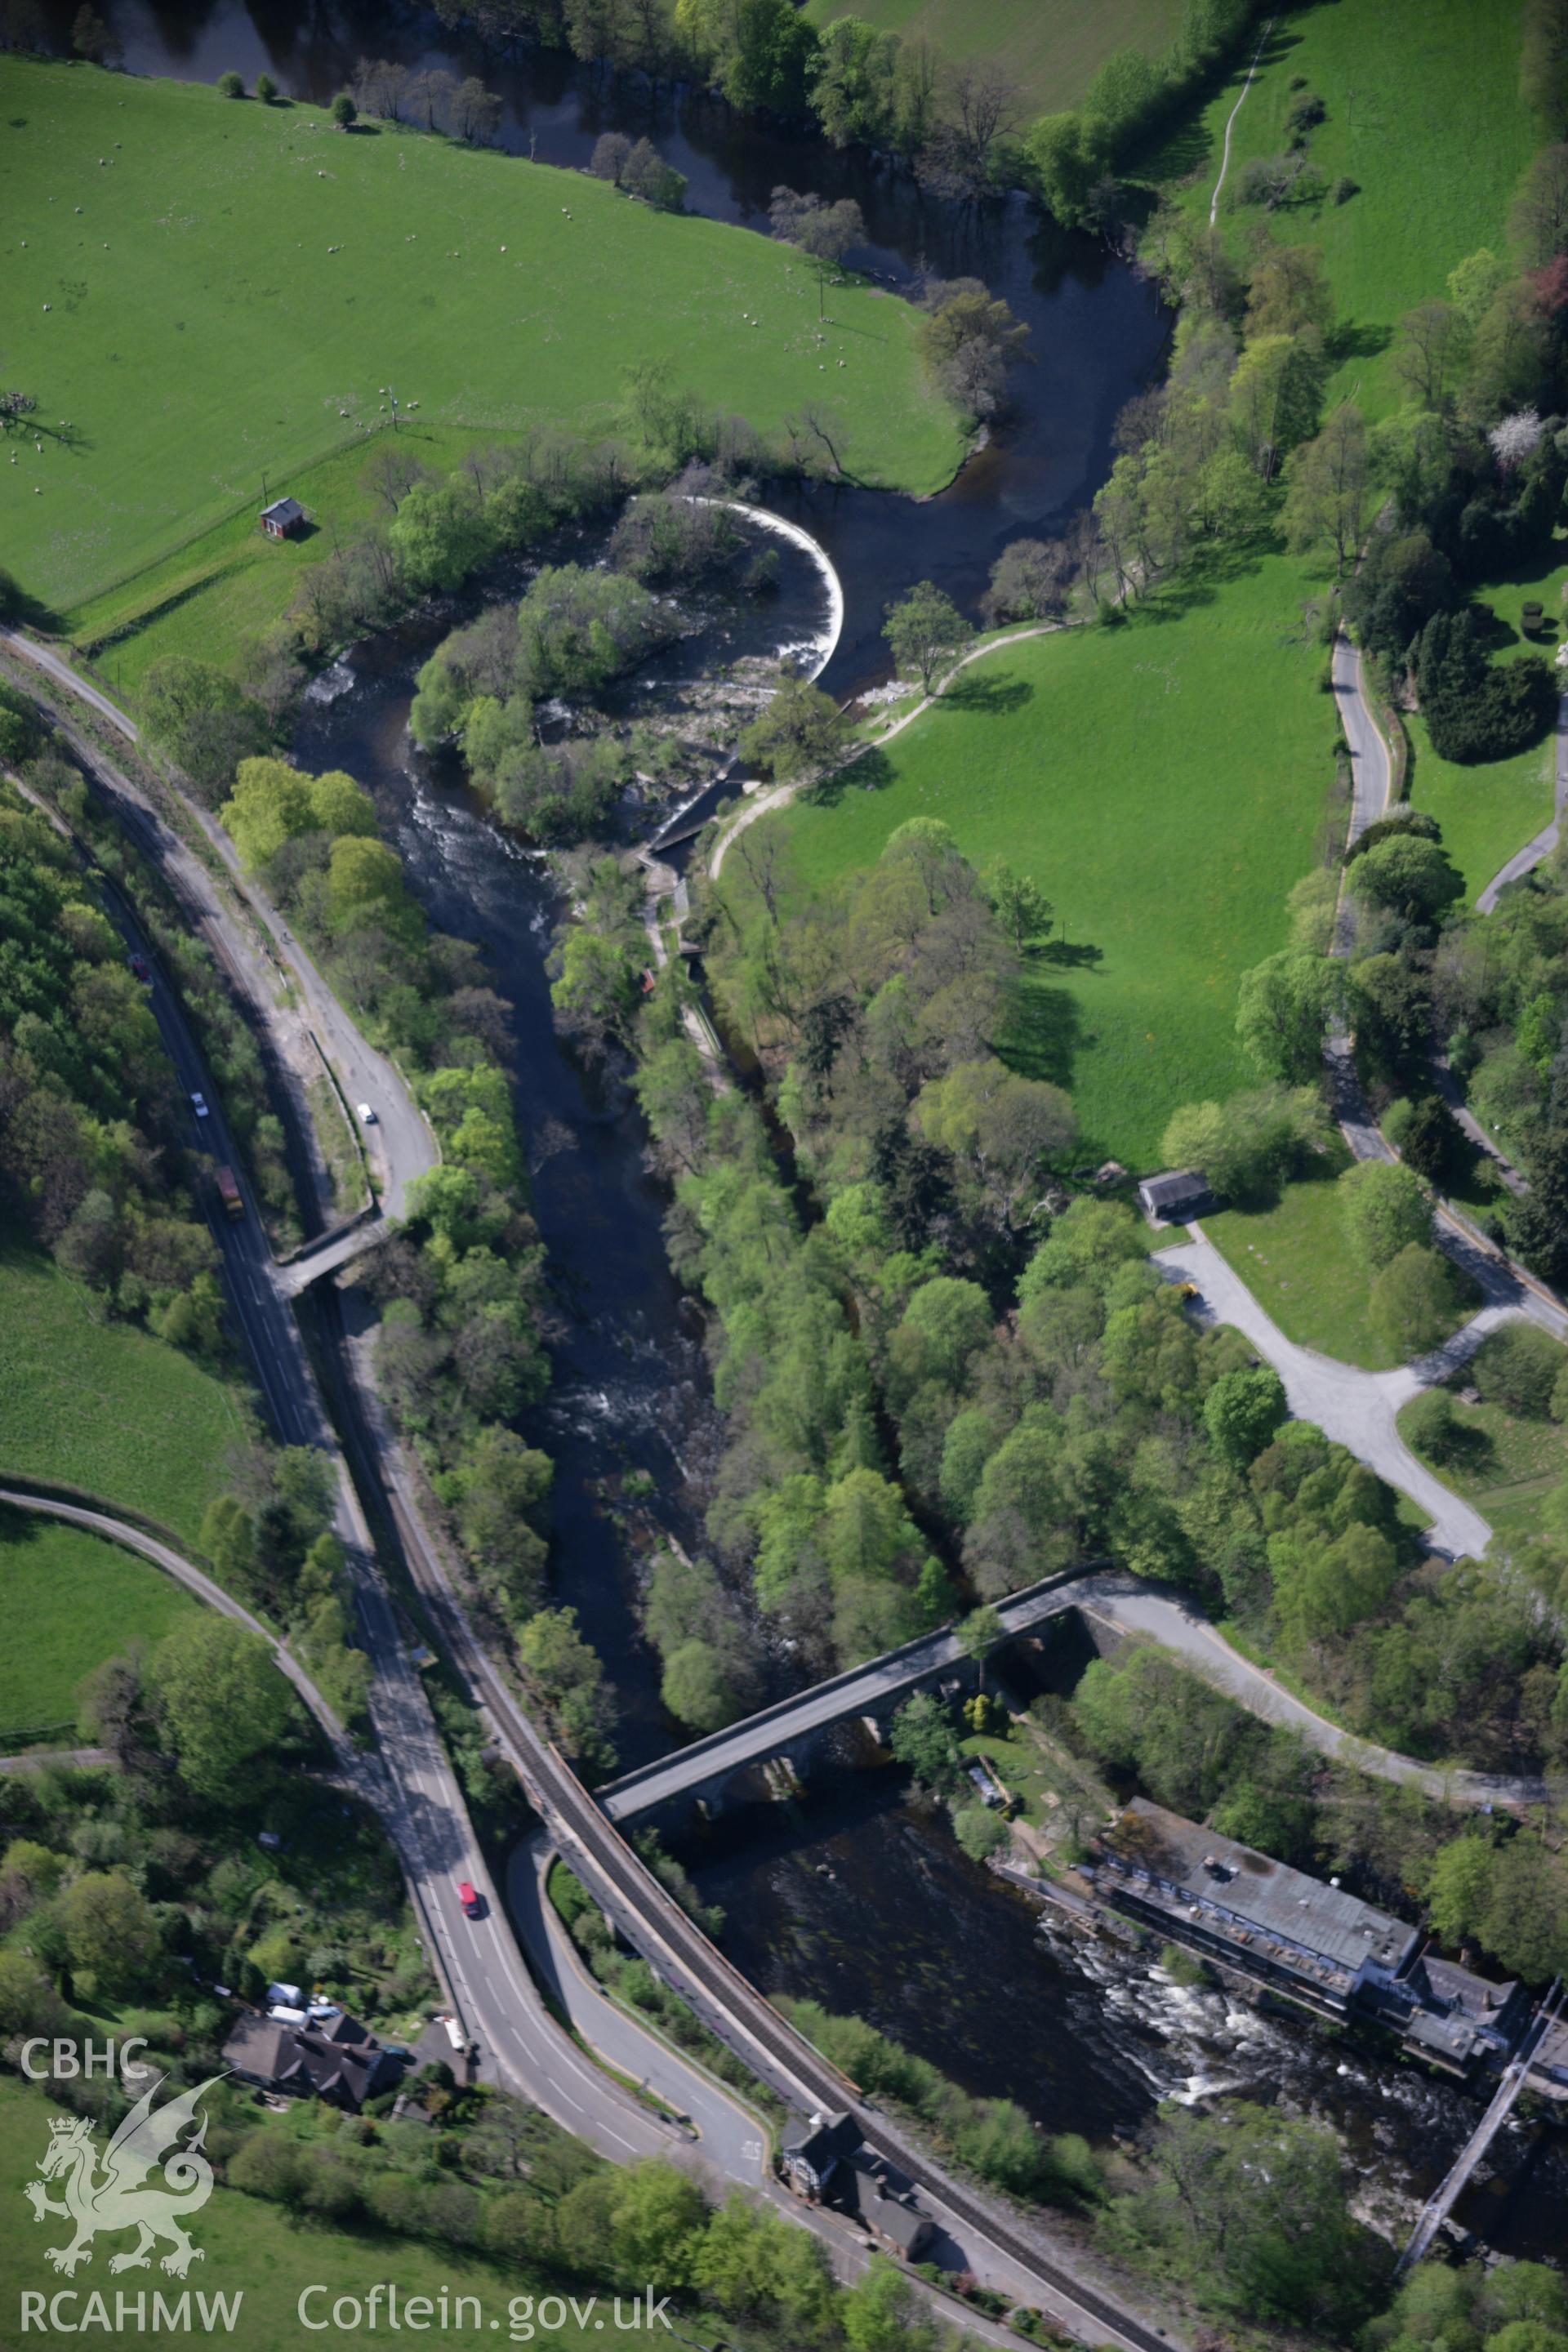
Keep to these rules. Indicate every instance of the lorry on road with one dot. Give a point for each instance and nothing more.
(229, 1192)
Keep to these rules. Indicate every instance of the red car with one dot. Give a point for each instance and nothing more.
(143, 970)
(469, 1899)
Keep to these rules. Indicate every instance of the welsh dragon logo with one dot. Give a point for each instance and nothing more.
(116, 2198)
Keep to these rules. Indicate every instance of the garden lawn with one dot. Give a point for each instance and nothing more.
(1052, 48)
(1164, 783)
(1019, 1763)
(256, 2252)
(99, 1406)
(213, 292)
(1424, 113)
(1487, 812)
(1507, 1467)
(1298, 1265)
(70, 1601)
(1493, 808)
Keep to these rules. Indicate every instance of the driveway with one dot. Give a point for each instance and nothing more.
(1523, 860)
(1355, 1407)
(1130, 1606)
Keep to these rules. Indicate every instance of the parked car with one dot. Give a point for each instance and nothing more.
(199, 1105)
(141, 970)
(471, 1902)
(366, 1115)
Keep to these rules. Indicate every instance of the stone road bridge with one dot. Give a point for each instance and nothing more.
(779, 1741)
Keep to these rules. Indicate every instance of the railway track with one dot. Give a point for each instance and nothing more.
(720, 1995)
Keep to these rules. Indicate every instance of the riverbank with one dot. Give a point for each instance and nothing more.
(1163, 782)
(486, 295)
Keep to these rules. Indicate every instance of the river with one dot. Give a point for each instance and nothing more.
(1097, 330)
(859, 1896)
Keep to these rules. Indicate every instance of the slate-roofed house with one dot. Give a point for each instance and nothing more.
(335, 2059)
(1256, 1914)
(1173, 1198)
(827, 2163)
(812, 2155)
(872, 2193)
(1319, 1944)
(1462, 2018)
(283, 519)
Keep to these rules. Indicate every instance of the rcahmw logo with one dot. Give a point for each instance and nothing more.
(107, 2192)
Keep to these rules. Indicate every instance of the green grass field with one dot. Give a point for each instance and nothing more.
(259, 2252)
(1296, 1261)
(1487, 812)
(212, 291)
(1508, 1465)
(1053, 48)
(1164, 782)
(1424, 114)
(231, 581)
(103, 1406)
(79, 1602)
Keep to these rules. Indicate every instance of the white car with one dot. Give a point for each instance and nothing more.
(199, 1105)
(366, 1115)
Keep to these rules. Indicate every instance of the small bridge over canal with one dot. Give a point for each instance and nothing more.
(786, 1734)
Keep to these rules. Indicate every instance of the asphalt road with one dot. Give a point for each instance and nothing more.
(728, 2135)
(864, 1690)
(1356, 1408)
(400, 1145)
(1372, 775)
(423, 1808)
(1502, 1281)
(427, 1817)
(411, 1784)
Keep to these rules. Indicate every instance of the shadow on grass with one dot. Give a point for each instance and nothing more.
(995, 697)
(1184, 153)
(1358, 339)
(872, 773)
(1201, 577)
(1470, 1452)
(1180, 148)
(20, 609)
(1075, 955)
(1044, 1033)
(1268, 1187)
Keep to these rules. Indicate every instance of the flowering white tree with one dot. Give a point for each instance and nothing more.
(1515, 438)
